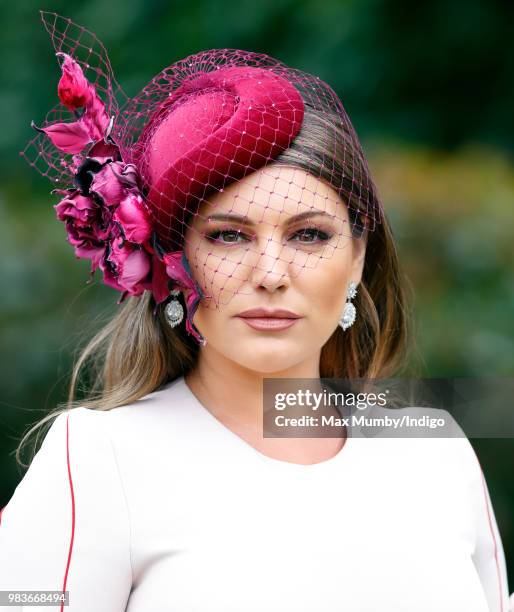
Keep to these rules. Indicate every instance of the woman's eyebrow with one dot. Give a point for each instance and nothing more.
(248, 221)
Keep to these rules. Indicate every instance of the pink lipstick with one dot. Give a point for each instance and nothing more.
(266, 319)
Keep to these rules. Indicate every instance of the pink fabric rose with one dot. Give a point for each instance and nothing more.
(114, 180)
(134, 219)
(107, 185)
(87, 223)
(127, 266)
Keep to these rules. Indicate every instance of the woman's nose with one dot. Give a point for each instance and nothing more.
(272, 264)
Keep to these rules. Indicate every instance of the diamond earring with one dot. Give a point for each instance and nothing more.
(174, 312)
(349, 311)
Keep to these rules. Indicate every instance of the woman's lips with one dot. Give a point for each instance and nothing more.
(268, 323)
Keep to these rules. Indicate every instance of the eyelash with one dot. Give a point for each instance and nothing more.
(326, 236)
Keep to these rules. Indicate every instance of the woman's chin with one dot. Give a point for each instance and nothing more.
(268, 357)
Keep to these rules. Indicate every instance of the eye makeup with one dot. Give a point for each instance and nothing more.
(307, 235)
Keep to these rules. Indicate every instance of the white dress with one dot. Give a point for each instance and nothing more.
(159, 507)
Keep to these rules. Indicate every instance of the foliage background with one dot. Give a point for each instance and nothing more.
(430, 91)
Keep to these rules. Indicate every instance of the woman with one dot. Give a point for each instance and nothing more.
(233, 183)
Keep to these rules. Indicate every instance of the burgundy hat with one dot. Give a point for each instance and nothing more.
(133, 171)
(215, 128)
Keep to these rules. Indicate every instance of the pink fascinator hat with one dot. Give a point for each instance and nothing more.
(130, 172)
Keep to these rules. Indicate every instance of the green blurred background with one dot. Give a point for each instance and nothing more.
(429, 87)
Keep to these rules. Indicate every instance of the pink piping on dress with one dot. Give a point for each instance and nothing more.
(72, 509)
(500, 585)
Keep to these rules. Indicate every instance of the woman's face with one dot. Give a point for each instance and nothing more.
(272, 259)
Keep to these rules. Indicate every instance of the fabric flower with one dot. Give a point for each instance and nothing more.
(127, 175)
(104, 150)
(76, 92)
(128, 265)
(106, 216)
(106, 184)
(134, 219)
(73, 87)
(87, 223)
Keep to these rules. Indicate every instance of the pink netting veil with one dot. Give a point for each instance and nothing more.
(226, 167)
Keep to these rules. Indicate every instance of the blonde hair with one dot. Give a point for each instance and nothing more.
(136, 352)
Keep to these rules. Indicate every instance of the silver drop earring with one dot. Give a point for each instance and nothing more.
(174, 312)
(349, 312)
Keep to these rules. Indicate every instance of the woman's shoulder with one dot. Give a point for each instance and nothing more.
(167, 403)
(91, 431)
(158, 418)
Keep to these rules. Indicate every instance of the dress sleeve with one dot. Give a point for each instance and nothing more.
(66, 526)
(488, 555)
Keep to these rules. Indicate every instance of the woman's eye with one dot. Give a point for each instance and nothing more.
(214, 236)
(307, 235)
(308, 232)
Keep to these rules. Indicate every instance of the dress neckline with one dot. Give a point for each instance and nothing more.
(337, 459)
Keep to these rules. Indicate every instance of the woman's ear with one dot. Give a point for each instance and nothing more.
(358, 256)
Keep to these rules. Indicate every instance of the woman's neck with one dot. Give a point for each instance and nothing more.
(228, 388)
